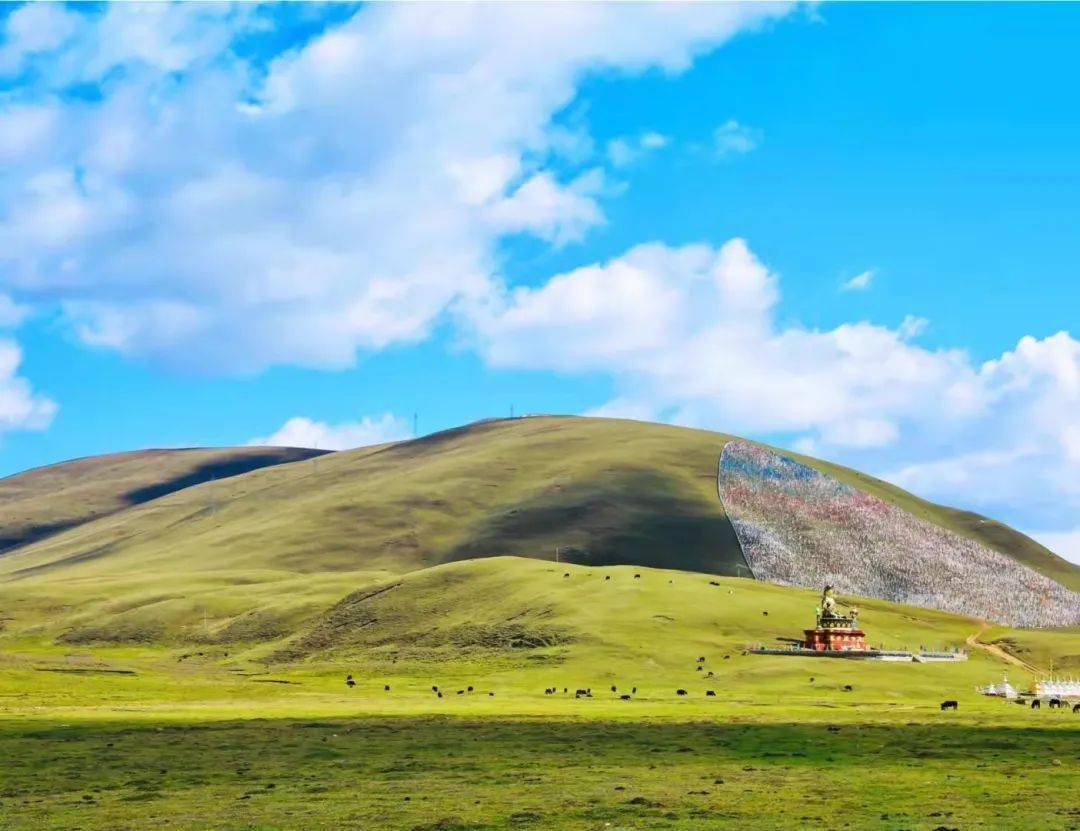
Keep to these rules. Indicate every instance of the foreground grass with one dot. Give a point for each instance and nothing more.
(498, 773)
(228, 736)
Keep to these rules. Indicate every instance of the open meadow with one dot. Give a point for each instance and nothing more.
(269, 736)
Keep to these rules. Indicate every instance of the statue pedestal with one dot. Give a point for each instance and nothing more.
(834, 638)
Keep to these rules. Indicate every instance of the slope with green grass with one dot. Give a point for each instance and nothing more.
(47, 500)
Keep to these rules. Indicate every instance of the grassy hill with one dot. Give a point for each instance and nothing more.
(46, 500)
(235, 734)
(516, 626)
(256, 556)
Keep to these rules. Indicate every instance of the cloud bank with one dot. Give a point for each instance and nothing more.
(304, 432)
(227, 209)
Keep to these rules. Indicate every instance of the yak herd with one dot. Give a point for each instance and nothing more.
(586, 692)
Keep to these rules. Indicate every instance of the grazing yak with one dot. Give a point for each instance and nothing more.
(386, 688)
(680, 692)
(349, 681)
(1055, 703)
(624, 698)
(949, 705)
(1076, 708)
(710, 693)
(1035, 704)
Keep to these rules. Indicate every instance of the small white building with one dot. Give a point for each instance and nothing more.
(1002, 690)
(1057, 688)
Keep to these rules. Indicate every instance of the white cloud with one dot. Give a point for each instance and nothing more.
(1065, 544)
(338, 197)
(20, 407)
(861, 281)
(625, 150)
(912, 326)
(732, 138)
(549, 210)
(33, 29)
(11, 313)
(1019, 452)
(304, 432)
(689, 333)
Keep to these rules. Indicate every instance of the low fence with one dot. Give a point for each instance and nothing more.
(862, 654)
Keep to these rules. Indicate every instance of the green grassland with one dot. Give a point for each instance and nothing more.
(266, 734)
(180, 661)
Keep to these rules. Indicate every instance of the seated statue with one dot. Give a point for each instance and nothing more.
(828, 608)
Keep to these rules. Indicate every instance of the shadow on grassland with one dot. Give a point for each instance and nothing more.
(627, 516)
(222, 468)
(553, 741)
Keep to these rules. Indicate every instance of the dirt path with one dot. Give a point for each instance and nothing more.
(973, 641)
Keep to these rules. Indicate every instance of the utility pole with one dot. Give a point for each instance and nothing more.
(415, 432)
(556, 554)
(511, 411)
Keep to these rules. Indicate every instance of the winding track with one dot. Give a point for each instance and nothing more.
(997, 651)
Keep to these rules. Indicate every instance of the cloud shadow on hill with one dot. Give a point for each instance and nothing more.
(625, 516)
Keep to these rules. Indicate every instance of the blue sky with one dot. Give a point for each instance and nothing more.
(848, 229)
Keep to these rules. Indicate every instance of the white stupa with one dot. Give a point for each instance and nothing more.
(1057, 688)
(1002, 690)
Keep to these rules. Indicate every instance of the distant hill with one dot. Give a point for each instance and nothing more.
(46, 500)
(257, 556)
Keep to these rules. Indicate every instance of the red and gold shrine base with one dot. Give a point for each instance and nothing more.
(825, 640)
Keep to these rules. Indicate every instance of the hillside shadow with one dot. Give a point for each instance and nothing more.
(221, 468)
(628, 516)
(33, 533)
